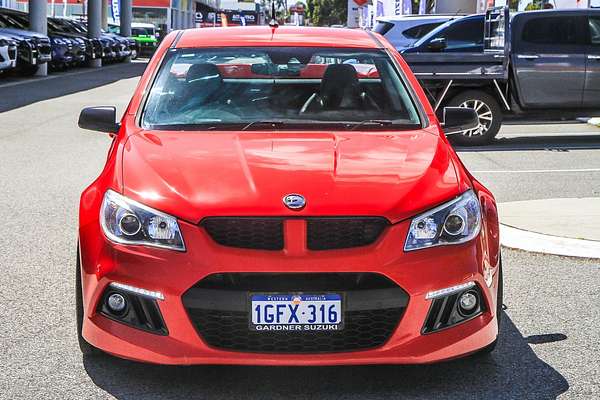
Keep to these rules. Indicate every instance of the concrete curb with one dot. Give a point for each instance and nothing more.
(539, 243)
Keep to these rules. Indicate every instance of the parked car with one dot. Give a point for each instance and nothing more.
(535, 65)
(65, 52)
(463, 34)
(133, 44)
(8, 53)
(33, 48)
(146, 36)
(113, 49)
(272, 197)
(89, 49)
(404, 30)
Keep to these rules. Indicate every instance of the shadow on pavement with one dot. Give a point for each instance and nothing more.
(35, 90)
(512, 372)
(544, 143)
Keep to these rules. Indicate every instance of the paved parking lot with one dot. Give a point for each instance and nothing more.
(549, 343)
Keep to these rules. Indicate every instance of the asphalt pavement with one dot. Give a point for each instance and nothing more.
(549, 337)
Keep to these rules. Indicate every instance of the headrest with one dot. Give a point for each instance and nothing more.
(339, 81)
(200, 73)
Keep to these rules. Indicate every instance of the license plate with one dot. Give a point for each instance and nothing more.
(296, 312)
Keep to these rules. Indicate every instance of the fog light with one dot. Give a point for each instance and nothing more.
(116, 303)
(467, 302)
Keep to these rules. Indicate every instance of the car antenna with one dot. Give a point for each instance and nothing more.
(273, 22)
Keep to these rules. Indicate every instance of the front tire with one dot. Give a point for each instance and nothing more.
(489, 113)
(86, 348)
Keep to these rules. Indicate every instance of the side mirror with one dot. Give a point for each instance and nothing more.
(459, 119)
(437, 44)
(102, 119)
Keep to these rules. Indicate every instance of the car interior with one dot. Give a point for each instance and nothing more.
(205, 88)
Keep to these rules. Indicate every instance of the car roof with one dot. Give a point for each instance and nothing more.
(142, 25)
(434, 17)
(563, 11)
(280, 36)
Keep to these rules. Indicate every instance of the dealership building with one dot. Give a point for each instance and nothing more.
(164, 14)
(364, 13)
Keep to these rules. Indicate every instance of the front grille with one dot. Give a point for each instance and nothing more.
(247, 233)
(267, 233)
(342, 232)
(44, 47)
(218, 307)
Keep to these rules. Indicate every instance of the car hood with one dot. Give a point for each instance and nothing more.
(21, 34)
(196, 174)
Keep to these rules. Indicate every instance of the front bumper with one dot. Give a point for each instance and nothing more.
(174, 273)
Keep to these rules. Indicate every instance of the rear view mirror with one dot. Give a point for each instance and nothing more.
(459, 119)
(437, 44)
(101, 119)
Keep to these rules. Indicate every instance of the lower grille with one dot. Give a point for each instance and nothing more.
(362, 330)
(218, 308)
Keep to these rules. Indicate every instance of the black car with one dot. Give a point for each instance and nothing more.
(113, 49)
(33, 49)
(65, 51)
(89, 49)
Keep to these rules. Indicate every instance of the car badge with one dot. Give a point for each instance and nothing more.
(294, 201)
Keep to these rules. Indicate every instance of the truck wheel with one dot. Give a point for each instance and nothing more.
(490, 117)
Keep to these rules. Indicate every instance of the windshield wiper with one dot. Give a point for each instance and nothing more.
(273, 124)
(373, 122)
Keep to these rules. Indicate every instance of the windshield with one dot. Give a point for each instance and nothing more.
(10, 21)
(278, 87)
(142, 31)
(433, 33)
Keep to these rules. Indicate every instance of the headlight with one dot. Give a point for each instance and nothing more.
(457, 221)
(129, 222)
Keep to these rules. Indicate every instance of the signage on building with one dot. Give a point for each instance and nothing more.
(233, 17)
(115, 9)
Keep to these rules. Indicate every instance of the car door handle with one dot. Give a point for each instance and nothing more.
(593, 57)
(527, 57)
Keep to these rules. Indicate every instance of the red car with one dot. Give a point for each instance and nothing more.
(284, 196)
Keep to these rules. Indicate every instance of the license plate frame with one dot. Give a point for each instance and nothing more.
(308, 298)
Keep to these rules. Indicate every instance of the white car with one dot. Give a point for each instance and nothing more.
(404, 30)
(8, 53)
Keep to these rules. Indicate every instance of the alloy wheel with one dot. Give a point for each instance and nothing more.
(484, 113)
